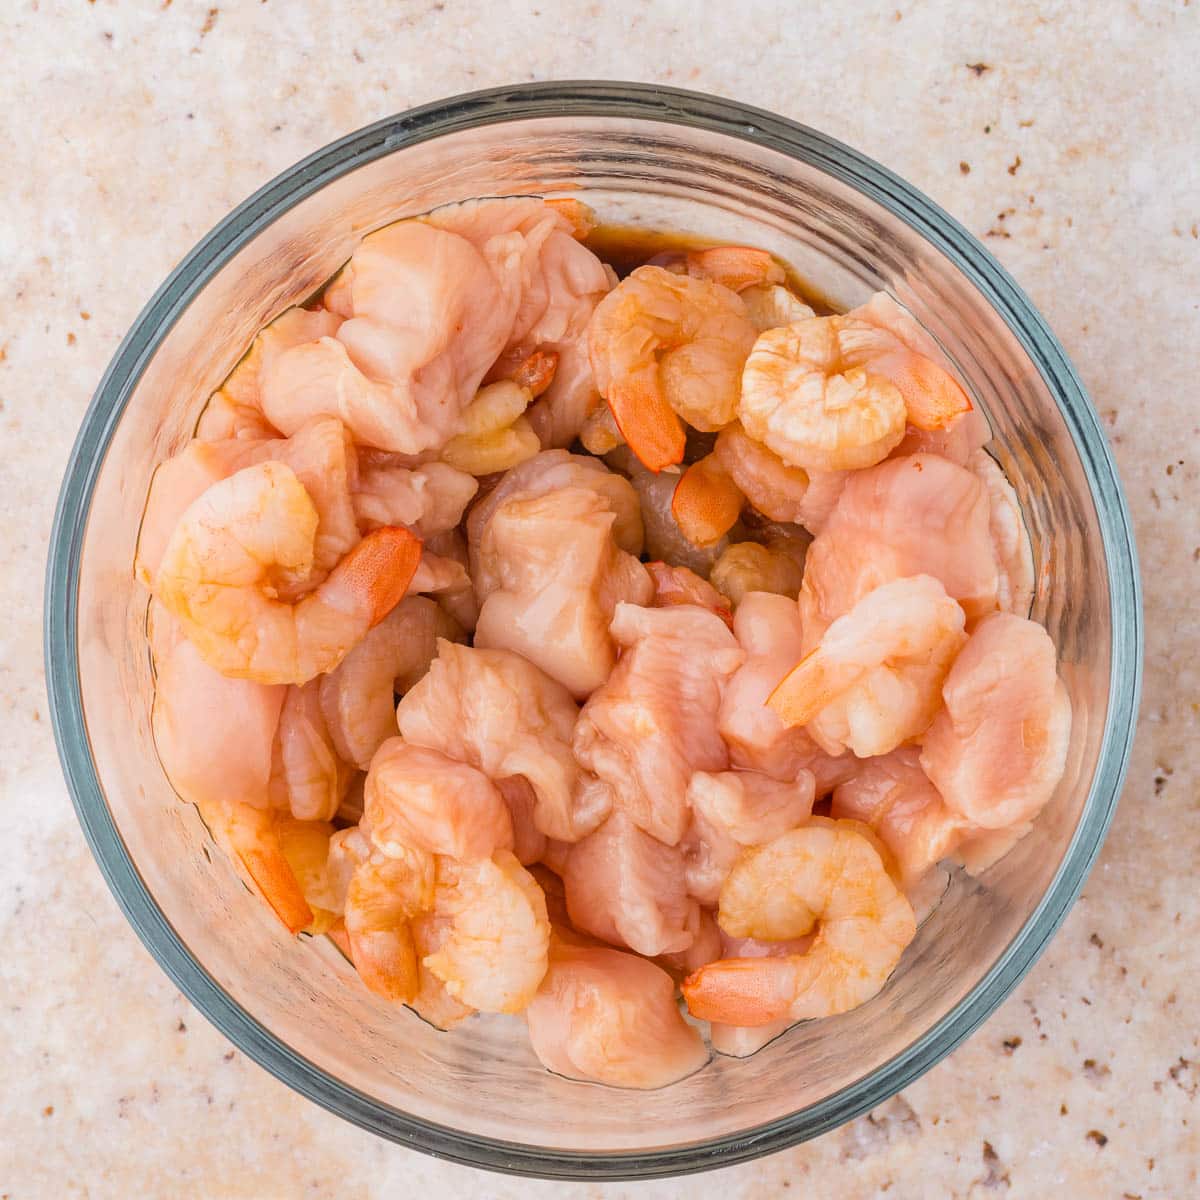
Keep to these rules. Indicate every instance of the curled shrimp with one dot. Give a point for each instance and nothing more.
(234, 547)
(836, 393)
(825, 875)
(771, 305)
(495, 951)
(734, 267)
(663, 344)
(745, 567)
(775, 489)
(875, 678)
(308, 776)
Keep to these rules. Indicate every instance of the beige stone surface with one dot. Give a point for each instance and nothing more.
(130, 126)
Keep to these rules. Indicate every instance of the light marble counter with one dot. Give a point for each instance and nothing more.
(1071, 145)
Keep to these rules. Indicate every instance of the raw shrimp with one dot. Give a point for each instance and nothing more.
(610, 1017)
(429, 499)
(529, 842)
(706, 502)
(305, 847)
(560, 575)
(308, 776)
(1010, 538)
(418, 798)
(385, 893)
(874, 680)
(764, 479)
(233, 545)
(732, 810)
(747, 567)
(909, 516)
(663, 344)
(235, 409)
(562, 281)
(251, 838)
(627, 888)
(678, 585)
(494, 953)
(429, 313)
(498, 712)
(894, 797)
(998, 750)
(431, 1001)
(548, 472)
(825, 874)
(358, 696)
(768, 629)
(496, 436)
(214, 735)
(323, 459)
(654, 722)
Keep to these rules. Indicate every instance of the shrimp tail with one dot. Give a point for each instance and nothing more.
(706, 503)
(807, 688)
(932, 396)
(386, 961)
(741, 991)
(378, 570)
(646, 420)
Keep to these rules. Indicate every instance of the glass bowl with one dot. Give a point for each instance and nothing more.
(646, 156)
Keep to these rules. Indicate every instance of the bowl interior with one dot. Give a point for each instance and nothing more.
(295, 1004)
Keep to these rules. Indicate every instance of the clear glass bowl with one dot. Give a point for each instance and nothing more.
(645, 156)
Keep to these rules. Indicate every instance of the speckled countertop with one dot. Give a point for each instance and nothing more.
(1064, 134)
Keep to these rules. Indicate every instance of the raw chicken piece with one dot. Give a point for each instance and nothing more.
(429, 499)
(1014, 554)
(998, 749)
(562, 281)
(611, 1017)
(358, 697)
(547, 472)
(768, 629)
(494, 710)
(920, 515)
(654, 722)
(560, 575)
(957, 442)
(678, 585)
(732, 810)
(214, 735)
(893, 796)
(420, 799)
(627, 888)
(235, 409)
(529, 842)
(429, 315)
(705, 947)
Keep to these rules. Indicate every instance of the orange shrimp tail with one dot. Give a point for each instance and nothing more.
(706, 503)
(340, 938)
(734, 267)
(386, 962)
(932, 397)
(269, 869)
(537, 371)
(382, 565)
(806, 689)
(646, 421)
(739, 991)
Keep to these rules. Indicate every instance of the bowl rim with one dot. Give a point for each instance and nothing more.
(692, 110)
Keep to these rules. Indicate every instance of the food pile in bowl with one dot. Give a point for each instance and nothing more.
(623, 652)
